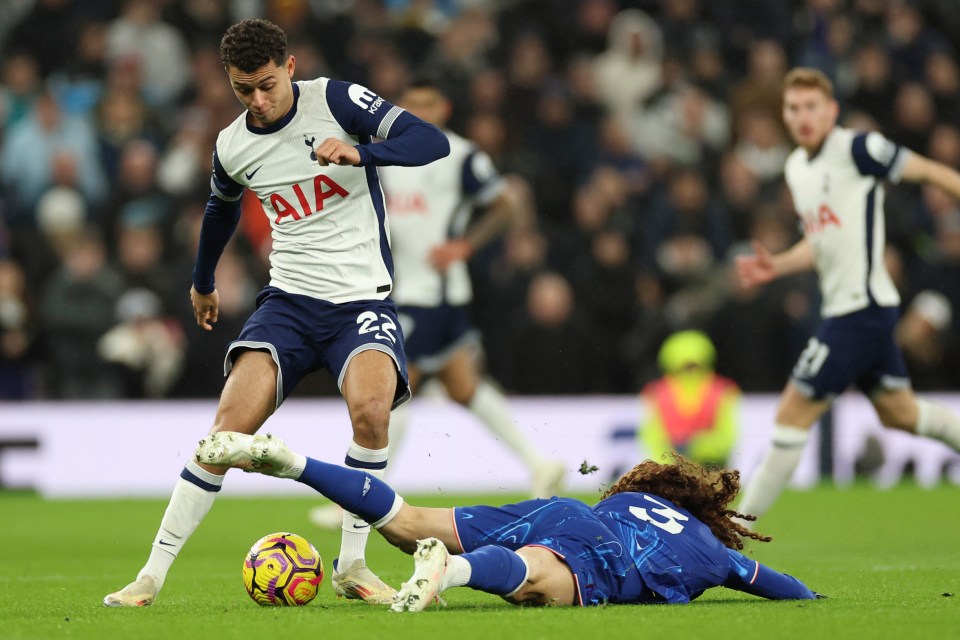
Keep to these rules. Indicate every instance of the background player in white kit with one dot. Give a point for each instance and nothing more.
(304, 148)
(835, 179)
(430, 209)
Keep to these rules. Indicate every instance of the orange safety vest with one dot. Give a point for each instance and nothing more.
(680, 423)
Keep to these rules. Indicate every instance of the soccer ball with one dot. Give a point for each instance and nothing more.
(282, 570)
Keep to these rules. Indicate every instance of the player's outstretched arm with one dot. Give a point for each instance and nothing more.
(917, 168)
(510, 208)
(756, 579)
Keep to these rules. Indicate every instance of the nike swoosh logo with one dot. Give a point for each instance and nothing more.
(253, 173)
(360, 526)
(167, 544)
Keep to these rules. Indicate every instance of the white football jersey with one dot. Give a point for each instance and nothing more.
(329, 224)
(838, 194)
(428, 206)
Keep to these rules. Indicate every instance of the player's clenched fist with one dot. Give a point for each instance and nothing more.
(333, 151)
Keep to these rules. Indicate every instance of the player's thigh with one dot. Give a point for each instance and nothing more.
(796, 409)
(549, 581)
(250, 394)
(896, 408)
(459, 375)
(416, 523)
(369, 386)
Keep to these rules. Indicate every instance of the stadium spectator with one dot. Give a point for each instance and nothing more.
(552, 351)
(77, 309)
(20, 348)
(48, 148)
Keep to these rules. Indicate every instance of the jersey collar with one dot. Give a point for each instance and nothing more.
(282, 122)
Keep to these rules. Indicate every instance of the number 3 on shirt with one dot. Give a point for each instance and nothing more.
(672, 518)
(366, 321)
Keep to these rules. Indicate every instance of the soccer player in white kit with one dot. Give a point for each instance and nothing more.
(430, 209)
(305, 149)
(835, 177)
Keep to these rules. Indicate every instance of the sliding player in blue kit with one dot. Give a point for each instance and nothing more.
(661, 534)
(305, 149)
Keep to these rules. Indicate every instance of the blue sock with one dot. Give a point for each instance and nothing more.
(353, 489)
(495, 570)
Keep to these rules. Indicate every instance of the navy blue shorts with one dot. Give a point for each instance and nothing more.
(304, 334)
(858, 348)
(432, 334)
(540, 523)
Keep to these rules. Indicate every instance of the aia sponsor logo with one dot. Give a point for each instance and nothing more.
(407, 204)
(324, 187)
(819, 221)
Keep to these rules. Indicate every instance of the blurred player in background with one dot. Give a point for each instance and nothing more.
(304, 148)
(430, 209)
(835, 176)
(690, 410)
(661, 534)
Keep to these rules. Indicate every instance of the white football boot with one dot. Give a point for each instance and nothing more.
(139, 593)
(357, 582)
(265, 454)
(430, 566)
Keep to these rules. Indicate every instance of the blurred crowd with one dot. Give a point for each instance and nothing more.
(646, 134)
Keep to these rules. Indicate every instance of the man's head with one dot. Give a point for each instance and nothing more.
(809, 108)
(425, 100)
(254, 53)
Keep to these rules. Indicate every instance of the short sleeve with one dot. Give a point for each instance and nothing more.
(480, 178)
(359, 110)
(877, 156)
(221, 184)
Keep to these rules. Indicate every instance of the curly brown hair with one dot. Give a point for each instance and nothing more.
(252, 43)
(703, 492)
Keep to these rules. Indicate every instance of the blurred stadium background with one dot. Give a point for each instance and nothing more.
(647, 136)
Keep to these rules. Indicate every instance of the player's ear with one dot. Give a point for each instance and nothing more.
(291, 65)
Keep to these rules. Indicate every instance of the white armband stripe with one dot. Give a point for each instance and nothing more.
(384, 129)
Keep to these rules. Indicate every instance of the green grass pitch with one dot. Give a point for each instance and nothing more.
(888, 560)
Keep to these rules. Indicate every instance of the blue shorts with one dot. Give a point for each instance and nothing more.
(858, 348)
(432, 334)
(565, 526)
(305, 334)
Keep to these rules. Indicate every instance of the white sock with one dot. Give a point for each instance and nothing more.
(189, 504)
(399, 419)
(490, 406)
(775, 471)
(937, 422)
(353, 541)
(458, 573)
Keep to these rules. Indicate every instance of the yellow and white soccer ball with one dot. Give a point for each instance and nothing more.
(282, 570)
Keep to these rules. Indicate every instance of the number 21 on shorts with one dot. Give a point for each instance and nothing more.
(812, 359)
